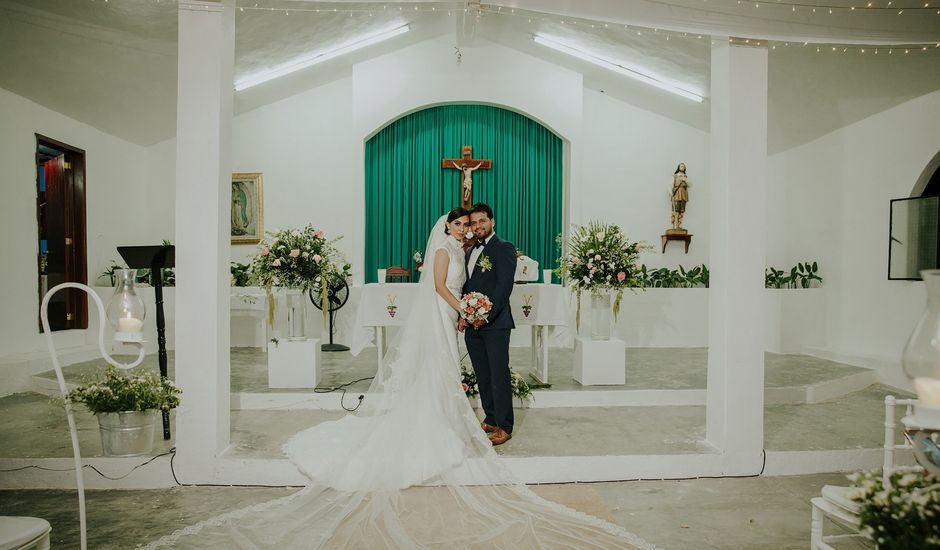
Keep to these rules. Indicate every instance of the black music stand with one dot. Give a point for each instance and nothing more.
(155, 258)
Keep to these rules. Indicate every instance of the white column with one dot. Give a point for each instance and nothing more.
(203, 196)
(735, 393)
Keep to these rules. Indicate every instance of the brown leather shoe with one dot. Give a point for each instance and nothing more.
(499, 437)
(487, 428)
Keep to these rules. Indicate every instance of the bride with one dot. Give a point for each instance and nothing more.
(413, 468)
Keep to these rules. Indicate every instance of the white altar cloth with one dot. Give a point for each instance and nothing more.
(388, 305)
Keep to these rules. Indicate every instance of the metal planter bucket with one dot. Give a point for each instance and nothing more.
(127, 433)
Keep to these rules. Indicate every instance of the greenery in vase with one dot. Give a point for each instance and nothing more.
(116, 391)
(297, 258)
(600, 258)
(903, 516)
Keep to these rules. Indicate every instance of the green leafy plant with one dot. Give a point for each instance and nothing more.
(664, 277)
(111, 272)
(241, 274)
(116, 391)
(802, 275)
(903, 516)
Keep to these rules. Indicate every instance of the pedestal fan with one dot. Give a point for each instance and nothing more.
(336, 297)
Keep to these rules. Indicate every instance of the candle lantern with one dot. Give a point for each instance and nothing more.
(126, 310)
(921, 363)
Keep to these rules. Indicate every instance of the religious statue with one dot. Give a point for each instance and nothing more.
(680, 196)
(467, 184)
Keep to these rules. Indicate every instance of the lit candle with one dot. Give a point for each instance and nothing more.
(928, 391)
(130, 324)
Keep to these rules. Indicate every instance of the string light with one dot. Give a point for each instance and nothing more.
(532, 16)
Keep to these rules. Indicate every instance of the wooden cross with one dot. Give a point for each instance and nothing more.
(467, 165)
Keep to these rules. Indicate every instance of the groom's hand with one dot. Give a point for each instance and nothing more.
(461, 324)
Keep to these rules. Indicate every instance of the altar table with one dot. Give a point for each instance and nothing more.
(386, 305)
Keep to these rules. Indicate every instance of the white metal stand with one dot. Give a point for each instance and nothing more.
(124, 337)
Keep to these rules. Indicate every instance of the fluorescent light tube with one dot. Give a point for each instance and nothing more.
(312, 59)
(616, 67)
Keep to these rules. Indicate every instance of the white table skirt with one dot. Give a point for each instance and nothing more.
(387, 305)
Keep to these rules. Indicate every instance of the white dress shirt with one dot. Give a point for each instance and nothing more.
(475, 255)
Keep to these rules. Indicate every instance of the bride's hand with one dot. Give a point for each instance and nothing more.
(461, 324)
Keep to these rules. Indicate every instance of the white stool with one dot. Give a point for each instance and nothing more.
(294, 364)
(20, 533)
(599, 362)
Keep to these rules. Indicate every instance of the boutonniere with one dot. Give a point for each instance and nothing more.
(485, 263)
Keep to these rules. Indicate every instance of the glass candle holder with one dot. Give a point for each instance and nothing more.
(126, 309)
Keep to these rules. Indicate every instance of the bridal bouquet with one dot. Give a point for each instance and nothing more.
(600, 258)
(475, 306)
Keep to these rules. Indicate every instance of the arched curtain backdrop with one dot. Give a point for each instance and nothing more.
(407, 190)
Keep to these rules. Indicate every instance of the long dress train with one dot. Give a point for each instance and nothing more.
(412, 468)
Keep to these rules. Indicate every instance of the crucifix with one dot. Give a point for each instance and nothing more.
(467, 165)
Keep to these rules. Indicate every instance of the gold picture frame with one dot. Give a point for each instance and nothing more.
(247, 223)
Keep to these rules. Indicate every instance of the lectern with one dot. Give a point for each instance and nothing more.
(155, 258)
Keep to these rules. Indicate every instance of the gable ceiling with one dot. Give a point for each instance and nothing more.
(112, 63)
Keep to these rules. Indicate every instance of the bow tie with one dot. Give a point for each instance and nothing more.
(479, 243)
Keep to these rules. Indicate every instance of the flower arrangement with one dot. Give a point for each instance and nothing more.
(418, 258)
(297, 258)
(600, 257)
(475, 306)
(902, 516)
(468, 379)
(118, 392)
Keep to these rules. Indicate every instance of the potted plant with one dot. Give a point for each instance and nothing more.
(902, 515)
(126, 407)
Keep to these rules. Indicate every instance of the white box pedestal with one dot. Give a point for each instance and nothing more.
(600, 362)
(294, 363)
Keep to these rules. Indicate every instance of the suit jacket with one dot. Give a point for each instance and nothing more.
(495, 283)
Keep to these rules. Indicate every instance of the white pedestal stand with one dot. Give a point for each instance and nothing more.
(600, 362)
(294, 363)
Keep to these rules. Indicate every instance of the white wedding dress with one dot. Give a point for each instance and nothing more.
(412, 469)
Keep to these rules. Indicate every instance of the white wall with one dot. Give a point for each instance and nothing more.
(310, 146)
(629, 158)
(828, 201)
(302, 145)
(123, 207)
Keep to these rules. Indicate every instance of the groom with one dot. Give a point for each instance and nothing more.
(491, 265)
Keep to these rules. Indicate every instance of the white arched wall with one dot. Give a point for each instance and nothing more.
(388, 87)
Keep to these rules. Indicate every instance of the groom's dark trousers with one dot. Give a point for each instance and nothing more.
(489, 345)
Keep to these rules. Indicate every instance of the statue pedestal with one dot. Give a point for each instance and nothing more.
(673, 235)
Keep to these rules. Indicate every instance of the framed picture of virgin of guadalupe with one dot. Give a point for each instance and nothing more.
(247, 208)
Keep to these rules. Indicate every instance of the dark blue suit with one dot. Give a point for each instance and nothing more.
(489, 345)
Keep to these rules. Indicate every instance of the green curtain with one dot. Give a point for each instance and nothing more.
(407, 190)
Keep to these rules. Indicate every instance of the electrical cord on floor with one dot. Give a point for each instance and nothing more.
(96, 470)
(342, 388)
